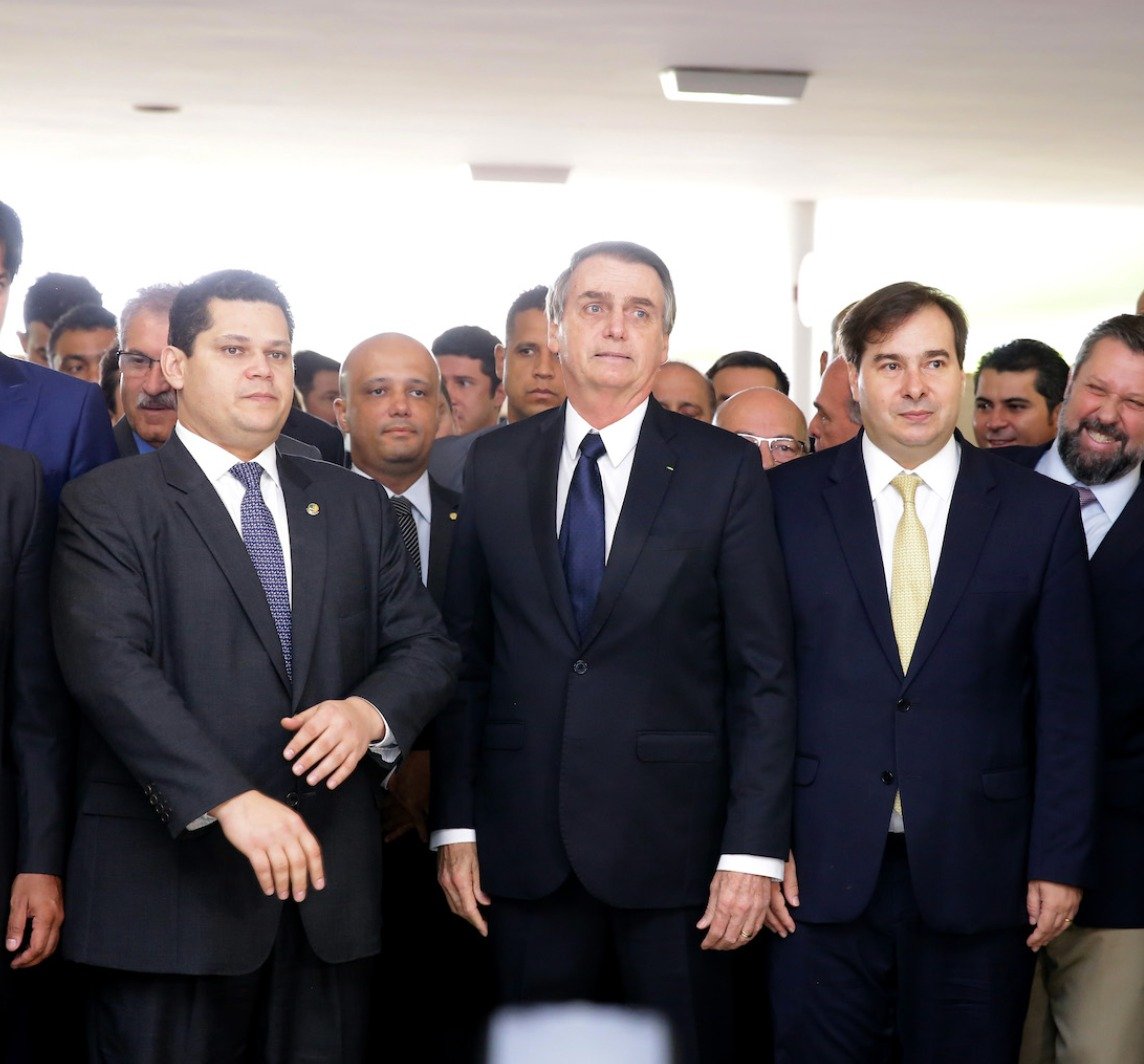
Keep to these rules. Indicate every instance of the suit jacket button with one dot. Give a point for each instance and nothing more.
(580, 667)
(292, 800)
(903, 705)
(887, 777)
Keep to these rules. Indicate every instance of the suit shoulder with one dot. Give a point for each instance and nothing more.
(443, 495)
(121, 479)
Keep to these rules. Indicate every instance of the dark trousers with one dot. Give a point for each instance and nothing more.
(570, 946)
(885, 987)
(295, 1009)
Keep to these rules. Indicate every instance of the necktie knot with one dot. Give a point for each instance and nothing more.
(592, 446)
(402, 505)
(249, 474)
(1087, 495)
(906, 485)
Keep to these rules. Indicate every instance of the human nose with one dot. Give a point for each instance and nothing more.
(154, 382)
(913, 383)
(616, 323)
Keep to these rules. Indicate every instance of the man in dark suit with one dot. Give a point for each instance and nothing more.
(35, 751)
(1089, 986)
(61, 420)
(947, 716)
(267, 631)
(619, 750)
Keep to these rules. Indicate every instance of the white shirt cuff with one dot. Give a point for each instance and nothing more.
(387, 748)
(771, 867)
(448, 836)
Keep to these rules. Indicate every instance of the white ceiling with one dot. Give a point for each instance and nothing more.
(1035, 101)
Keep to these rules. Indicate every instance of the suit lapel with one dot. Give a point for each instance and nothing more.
(652, 466)
(307, 517)
(542, 464)
(971, 513)
(19, 395)
(207, 514)
(442, 522)
(847, 498)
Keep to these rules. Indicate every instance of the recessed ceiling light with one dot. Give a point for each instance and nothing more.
(536, 175)
(733, 86)
(158, 108)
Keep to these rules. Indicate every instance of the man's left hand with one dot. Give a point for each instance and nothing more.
(331, 738)
(1052, 908)
(39, 898)
(735, 911)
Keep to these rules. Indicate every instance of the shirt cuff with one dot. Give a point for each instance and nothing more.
(771, 867)
(204, 821)
(387, 748)
(448, 836)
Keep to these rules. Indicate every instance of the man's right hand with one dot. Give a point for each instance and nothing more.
(779, 918)
(460, 879)
(282, 851)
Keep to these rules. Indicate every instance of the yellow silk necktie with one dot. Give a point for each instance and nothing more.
(910, 580)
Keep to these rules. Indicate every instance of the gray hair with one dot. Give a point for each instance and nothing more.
(625, 252)
(1127, 328)
(154, 299)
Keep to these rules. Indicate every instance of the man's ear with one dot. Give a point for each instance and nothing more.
(172, 360)
(342, 414)
(498, 361)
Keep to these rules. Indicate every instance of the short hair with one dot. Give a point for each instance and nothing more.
(54, 294)
(835, 325)
(154, 299)
(189, 313)
(751, 360)
(534, 299)
(12, 238)
(1018, 356)
(307, 365)
(84, 318)
(471, 341)
(109, 375)
(625, 251)
(874, 318)
(1127, 328)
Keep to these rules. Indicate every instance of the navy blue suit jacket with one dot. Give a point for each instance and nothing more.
(61, 420)
(1117, 570)
(992, 734)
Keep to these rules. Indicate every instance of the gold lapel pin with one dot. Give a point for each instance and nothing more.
(313, 509)
(452, 515)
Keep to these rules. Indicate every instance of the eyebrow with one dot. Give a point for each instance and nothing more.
(389, 380)
(246, 340)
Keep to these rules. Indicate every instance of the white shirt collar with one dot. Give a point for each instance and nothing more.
(620, 437)
(216, 461)
(417, 493)
(1113, 496)
(938, 473)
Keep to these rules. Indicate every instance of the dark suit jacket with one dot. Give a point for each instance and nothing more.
(125, 441)
(35, 746)
(317, 433)
(442, 523)
(992, 734)
(637, 755)
(1117, 569)
(61, 420)
(167, 642)
(448, 456)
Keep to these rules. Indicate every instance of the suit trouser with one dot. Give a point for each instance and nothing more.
(295, 1009)
(570, 946)
(1087, 1005)
(886, 984)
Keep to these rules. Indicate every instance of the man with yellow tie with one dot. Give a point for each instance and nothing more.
(947, 716)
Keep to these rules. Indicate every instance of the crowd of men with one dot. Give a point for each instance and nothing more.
(825, 742)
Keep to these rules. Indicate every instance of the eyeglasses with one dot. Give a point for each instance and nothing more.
(135, 363)
(782, 448)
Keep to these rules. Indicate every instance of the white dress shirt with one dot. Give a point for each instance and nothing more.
(615, 466)
(1111, 498)
(935, 492)
(421, 506)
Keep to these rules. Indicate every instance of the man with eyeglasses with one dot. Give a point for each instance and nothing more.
(769, 420)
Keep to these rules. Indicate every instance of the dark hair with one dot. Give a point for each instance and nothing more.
(84, 318)
(471, 341)
(534, 299)
(12, 237)
(109, 375)
(625, 251)
(54, 294)
(307, 365)
(1018, 356)
(751, 360)
(1127, 328)
(190, 314)
(874, 318)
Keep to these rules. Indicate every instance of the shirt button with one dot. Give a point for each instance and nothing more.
(580, 667)
(887, 777)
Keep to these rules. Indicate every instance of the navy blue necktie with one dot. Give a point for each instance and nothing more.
(265, 550)
(582, 532)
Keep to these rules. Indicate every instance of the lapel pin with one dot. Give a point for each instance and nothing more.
(313, 509)
(452, 515)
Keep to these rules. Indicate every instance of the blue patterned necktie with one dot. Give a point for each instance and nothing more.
(265, 550)
(582, 532)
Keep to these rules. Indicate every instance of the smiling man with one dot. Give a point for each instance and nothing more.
(619, 750)
(945, 776)
(240, 628)
(1018, 391)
